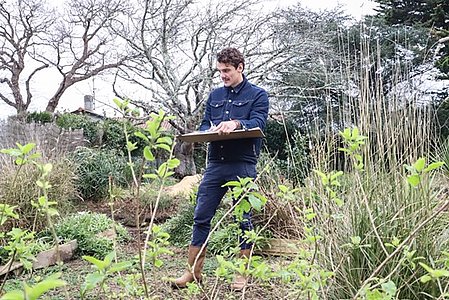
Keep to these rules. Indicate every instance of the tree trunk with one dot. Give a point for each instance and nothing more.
(184, 152)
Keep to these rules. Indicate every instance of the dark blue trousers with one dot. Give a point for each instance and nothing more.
(210, 193)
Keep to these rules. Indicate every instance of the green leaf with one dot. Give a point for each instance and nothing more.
(173, 163)
(118, 103)
(164, 140)
(101, 265)
(118, 267)
(425, 278)
(163, 146)
(131, 146)
(13, 295)
(389, 288)
(27, 148)
(44, 286)
(150, 176)
(158, 263)
(108, 259)
(420, 164)
(92, 280)
(283, 188)
(355, 133)
(232, 183)
(414, 180)
(324, 179)
(255, 202)
(433, 166)
(142, 136)
(148, 154)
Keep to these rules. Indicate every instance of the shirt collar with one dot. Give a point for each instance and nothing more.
(239, 86)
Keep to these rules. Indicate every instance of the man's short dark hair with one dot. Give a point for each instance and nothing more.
(231, 56)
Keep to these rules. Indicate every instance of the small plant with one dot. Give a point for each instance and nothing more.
(85, 227)
(94, 167)
(104, 270)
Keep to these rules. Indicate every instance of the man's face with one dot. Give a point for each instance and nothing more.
(229, 74)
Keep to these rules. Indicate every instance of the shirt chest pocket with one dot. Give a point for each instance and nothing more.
(241, 109)
(216, 110)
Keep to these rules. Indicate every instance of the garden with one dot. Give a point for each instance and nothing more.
(374, 228)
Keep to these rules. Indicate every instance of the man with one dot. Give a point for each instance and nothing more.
(237, 105)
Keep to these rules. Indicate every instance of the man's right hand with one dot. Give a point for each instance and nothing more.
(226, 127)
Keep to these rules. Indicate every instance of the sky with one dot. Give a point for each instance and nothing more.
(100, 86)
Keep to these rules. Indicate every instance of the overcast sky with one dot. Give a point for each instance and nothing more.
(73, 98)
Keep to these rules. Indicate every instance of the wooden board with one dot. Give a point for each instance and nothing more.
(282, 247)
(206, 136)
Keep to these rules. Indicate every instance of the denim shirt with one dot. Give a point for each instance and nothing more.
(246, 103)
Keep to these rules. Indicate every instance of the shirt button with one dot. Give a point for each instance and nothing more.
(227, 112)
(222, 158)
(229, 101)
(221, 146)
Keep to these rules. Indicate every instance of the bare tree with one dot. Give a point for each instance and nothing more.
(24, 24)
(84, 45)
(177, 41)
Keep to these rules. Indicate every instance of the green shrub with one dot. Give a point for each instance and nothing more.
(225, 239)
(91, 129)
(85, 227)
(179, 227)
(21, 190)
(40, 117)
(94, 167)
(114, 137)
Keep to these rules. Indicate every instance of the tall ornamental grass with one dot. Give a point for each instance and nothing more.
(385, 226)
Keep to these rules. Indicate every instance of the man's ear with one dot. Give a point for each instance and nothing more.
(240, 67)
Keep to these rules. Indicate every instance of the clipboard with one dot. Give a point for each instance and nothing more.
(206, 136)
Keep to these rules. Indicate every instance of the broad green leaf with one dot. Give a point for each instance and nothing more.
(255, 202)
(46, 285)
(164, 140)
(92, 280)
(101, 265)
(324, 179)
(425, 278)
(414, 180)
(355, 133)
(118, 103)
(12, 152)
(121, 266)
(13, 295)
(163, 146)
(433, 166)
(231, 183)
(168, 174)
(420, 164)
(150, 176)
(28, 147)
(148, 154)
(158, 263)
(283, 188)
(173, 163)
(389, 287)
(142, 136)
(108, 258)
(355, 240)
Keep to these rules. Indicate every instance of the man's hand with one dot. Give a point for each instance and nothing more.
(227, 127)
